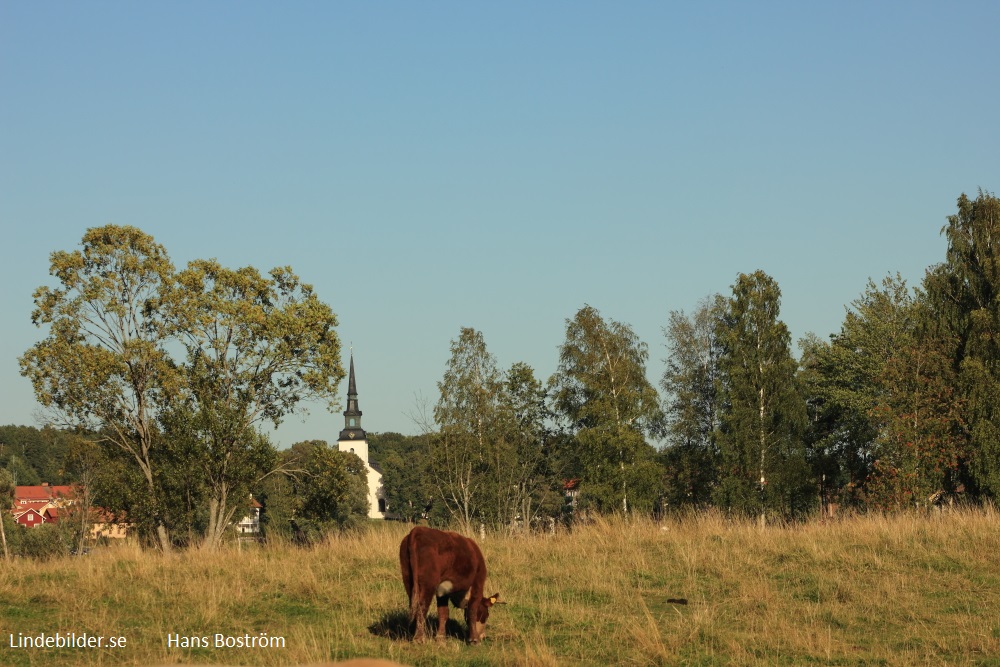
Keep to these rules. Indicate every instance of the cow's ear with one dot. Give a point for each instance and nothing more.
(495, 599)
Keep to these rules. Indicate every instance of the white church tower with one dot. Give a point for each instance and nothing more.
(354, 439)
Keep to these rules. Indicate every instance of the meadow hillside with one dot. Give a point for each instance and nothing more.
(901, 590)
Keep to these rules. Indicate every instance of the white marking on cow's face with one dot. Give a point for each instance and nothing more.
(444, 588)
(478, 632)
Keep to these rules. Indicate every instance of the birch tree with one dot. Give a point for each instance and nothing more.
(601, 392)
(693, 411)
(533, 486)
(763, 456)
(466, 412)
(487, 456)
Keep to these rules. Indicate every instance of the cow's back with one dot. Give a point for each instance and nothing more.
(428, 557)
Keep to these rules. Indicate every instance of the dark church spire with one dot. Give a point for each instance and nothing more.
(352, 415)
(352, 388)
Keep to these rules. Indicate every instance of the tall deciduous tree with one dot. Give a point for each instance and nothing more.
(965, 293)
(764, 414)
(920, 444)
(600, 389)
(487, 456)
(691, 384)
(256, 347)
(104, 366)
(532, 487)
(887, 416)
(466, 413)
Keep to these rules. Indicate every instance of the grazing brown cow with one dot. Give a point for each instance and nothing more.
(446, 565)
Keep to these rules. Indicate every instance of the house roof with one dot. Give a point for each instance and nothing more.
(30, 510)
(104, 515)
(36, 505)
(32, 493)
(42, 492)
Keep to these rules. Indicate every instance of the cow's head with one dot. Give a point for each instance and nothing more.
(477, 625)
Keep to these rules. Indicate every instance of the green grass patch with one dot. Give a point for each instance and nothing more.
(865, 591)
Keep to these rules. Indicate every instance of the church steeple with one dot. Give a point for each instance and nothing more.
(352, 415)
(354, 440)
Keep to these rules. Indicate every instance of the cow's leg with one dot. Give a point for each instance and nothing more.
(473, 601)
(442, 616)
(471, 620)
(419, 613)
(421, 604)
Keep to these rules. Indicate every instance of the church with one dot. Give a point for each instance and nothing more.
(354, 439)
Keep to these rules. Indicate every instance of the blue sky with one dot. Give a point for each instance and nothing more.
(429, 166)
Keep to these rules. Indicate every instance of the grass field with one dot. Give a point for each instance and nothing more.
(903, 590)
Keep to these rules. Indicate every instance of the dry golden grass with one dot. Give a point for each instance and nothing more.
(902, 590)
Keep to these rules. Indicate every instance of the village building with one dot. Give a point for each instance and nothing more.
(46, 503)
(249, 526)
(38, 505)
(104, 525)
(354, 439)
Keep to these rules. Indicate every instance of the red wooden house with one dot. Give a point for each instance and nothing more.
(37, 505)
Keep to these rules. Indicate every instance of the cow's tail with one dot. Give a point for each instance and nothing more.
(415, 594)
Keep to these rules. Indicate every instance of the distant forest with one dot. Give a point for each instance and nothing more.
(898, 410)
(33, 456)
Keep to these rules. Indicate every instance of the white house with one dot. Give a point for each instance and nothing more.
(249, 526)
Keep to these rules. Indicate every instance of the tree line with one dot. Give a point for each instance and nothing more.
(896, 410)
(171, 373)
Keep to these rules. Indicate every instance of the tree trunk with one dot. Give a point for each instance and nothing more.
(164, 537)
(218, 520)
(84, 515)
(3, 538)
(220, 516)
(161, 529)
(624, 487)
(763, 449)
(213, 509)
